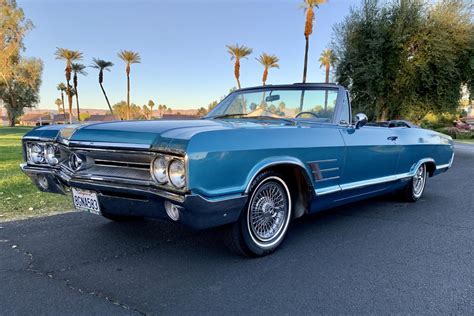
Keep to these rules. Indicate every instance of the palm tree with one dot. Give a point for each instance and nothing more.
(327, 60)
(69, 56)
(102, 65)
(308, 6)
(58, 104)
(62, 87)
(238, 52)
(77, 69)
(151, 104)
(267, 61)
(129, 57)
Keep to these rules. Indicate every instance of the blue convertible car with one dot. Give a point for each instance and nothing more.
(262, 157)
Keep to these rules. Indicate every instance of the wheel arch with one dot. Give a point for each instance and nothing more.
(297, 176)
(430, 166)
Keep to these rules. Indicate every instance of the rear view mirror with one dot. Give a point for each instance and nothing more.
(360, 120)
(272, 98)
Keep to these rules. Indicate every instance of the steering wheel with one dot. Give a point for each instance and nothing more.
(306, 112)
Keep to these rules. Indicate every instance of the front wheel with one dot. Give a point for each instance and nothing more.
(415, 188)
(264, 222)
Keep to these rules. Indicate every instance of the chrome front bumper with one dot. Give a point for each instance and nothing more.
(128, 199)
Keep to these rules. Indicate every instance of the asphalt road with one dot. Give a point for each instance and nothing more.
(374, 257)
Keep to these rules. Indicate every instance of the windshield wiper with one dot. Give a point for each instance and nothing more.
(266, 117)
(227, 116)
(257, 117)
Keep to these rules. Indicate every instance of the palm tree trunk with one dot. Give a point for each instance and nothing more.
(69, 101)
(237, 71)
(77, 104)
(302, 100)
(305, 67)
(69, 97)
(265, 75)
(62, 100)
(128, 97)
(326, 92)
(106, 99)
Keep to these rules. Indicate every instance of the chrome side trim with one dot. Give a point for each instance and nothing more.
(221, 198)
(442, 166)
(328, 190)
(447, 165)
(320, 161)
(329, 169)
(364, 183)
(327, 179)
(110, 145)
(452, 160)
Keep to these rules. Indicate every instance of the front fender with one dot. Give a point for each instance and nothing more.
(274, 161)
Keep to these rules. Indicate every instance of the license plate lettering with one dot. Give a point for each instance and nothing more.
(86, 201)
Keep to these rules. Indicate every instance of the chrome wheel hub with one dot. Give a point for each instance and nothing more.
(268, 211)
(419, 181)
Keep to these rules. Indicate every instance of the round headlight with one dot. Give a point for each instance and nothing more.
(37, 153)
(177, 173)
(52, 152)
(159, 170)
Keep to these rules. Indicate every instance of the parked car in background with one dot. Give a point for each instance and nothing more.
(262, 157)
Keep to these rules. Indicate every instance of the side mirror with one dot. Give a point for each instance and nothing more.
(360, 120)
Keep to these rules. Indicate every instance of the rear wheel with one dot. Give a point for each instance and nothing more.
(264, 222)
(415, 188)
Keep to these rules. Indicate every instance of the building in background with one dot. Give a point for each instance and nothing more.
(36, 119)
(101, 118)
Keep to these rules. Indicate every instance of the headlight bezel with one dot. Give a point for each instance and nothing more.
(164, 167)
(168, 159)
(56, 154)
(45, 162)
(182, 175)
(32, 154)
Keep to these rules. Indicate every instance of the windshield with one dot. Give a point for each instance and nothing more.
(278, 103)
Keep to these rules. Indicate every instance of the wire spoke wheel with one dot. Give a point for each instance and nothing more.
(268, 211)
(419, 181)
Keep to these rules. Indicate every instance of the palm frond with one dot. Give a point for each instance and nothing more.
(129, 57)
(61, 86)
(327, 58)
(238, 51)
(79, 69)
(98, 63)
(67, 54)
(268, 61)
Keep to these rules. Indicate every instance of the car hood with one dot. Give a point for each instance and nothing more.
(172, 135)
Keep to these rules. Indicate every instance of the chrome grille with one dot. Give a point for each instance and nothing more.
(110, 164)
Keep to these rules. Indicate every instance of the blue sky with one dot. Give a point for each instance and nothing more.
(182, 45)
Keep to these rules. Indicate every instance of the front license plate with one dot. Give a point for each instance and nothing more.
(86, 201)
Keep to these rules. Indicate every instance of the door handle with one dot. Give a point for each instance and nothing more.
(392, 138)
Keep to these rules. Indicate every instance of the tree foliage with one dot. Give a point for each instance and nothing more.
(120, 109)
(405, 58)
(20, 78)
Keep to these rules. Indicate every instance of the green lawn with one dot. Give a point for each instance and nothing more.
(19, 198)
(466, 141)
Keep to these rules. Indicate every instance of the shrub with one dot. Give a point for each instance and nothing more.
(456, 133)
